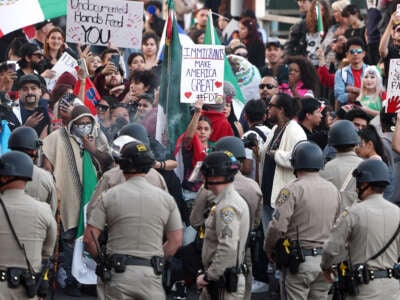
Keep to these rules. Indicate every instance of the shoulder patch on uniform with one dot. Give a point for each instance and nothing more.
(283, 196)
(227, 214)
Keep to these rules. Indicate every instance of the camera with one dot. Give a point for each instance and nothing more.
(250, 140)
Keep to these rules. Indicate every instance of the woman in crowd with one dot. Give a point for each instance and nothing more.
(54, 45)
(372, 92)
(230, 115)
(371, 145)
(150, 44)
(352, 15)
(250, 37)
(303, 79)
(197, 36)
(146, 113)
(136, 61)
(192, 147)
(315, 38)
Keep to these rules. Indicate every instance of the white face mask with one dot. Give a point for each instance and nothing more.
(82, 129)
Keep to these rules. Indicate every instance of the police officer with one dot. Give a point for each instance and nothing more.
(306, 211)
(246, 187)
(343, 137)
(138, 215)
(115, 175)
(42, 187)
(226, 230)
(367, 226)
(34, 226)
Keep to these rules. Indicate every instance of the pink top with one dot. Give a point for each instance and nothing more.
(284, 88)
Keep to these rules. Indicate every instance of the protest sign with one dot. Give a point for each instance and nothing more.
(393, 87)
(66, 63)
(202, 73)
(100, 22)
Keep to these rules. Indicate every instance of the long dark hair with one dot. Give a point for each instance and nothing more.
(369, 133)
(252, 32)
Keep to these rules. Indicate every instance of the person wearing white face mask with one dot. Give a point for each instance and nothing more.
(63, 156)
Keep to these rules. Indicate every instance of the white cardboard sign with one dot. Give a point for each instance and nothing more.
(202, 73)
(100, 22)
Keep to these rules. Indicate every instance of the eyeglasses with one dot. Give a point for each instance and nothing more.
(102, 107)
(356, 51)
(273, 105)
(266, 85)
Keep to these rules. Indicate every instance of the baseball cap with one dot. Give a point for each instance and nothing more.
(273, 41)
(30, 78)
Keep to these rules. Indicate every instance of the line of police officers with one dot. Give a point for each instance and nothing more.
(305, 238)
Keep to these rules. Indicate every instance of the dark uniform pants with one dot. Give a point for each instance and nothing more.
(308, 284)
(137, 282)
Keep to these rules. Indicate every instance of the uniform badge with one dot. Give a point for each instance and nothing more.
(283, 196)
(227, 215)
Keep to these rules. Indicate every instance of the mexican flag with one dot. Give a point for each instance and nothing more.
(172, 116)
(211, 38)
(83, 266)
(320, 26)
(16, 14)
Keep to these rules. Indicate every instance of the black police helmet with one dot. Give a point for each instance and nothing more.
(220, 163)
(372, 171)
(232, 144)
(24, 138)
(342, 133)
(307, 155)
(137, 131)
(16, 163)
(136, 156)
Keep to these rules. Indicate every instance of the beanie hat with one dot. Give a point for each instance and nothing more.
(66, 78)
(80, 111)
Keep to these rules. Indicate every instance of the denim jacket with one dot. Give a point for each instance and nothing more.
(343, 78)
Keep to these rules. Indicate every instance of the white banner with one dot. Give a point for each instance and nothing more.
(202, 73)
(393, 87)
(66, 63)
(100, 22)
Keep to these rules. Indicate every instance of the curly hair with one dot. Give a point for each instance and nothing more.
(311, 17)
(252, 32)
(308, 75)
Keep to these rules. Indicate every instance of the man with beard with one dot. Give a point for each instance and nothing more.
(30, 63)
(268, 87)
(29, 110)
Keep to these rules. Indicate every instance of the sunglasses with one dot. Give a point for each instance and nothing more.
(356, 51)
(272, 105)
(266, 85)
(102, 107)
(39, 55)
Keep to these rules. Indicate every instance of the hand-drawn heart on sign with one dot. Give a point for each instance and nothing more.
(188, 94)
(218, 84)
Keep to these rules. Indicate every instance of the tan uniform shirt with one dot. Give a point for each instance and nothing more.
(34, 225)
(226, 227)
(338, 171)
(310, 203)
(115, 176)
(247, 188)
(367, 226)
(137, 214)
(43, 188)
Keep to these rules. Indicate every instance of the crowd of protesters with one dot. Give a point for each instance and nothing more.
(300, 89)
